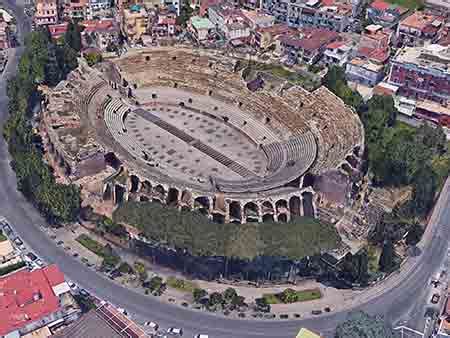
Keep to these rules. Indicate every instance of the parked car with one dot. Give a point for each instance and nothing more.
(153, 325)
(31, 257)
(39, 263)
(435, 298)
(60, 242)
(175, 331)
(201, 336)
(84, 293)
(72, 285)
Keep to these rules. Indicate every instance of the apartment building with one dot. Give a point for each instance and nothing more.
(46, 12)
(419, 28)
(134, 22)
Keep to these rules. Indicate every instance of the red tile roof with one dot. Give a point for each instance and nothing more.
(58, 30)
(421, 21)
(97, 25)
(336, 44)
(311, 39)
(28, 296)
(380, 5)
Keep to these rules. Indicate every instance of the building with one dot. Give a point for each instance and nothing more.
(165, 24)
(265, 37)
(229, 21)
(305, 333)
(205, 4)
(258, 19)
(308, 46)
(34, 299)
(102, 32)
(57, 31)
(46, 12)
(200, 27)
(439, 6)
(422, 73)
(337, 53)
(374, 44)
(5, 39)
(330, 14)
(8, 255)
(134, 22)
(95, 7)
(76, 9)
(364, 71)
(418, 28)
(103, 322)
(384, 13)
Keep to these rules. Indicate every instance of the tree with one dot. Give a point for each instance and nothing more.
(229, 294)
(386, 104)
(289, 296)
(124, 267)
(238, 301)
(93, 58)
(156, 284)
(261, 305)
(424, 189)
(72, 37)
(387, 258)
(414, 234)
(360, 324)
(199, 294)
(141, 270)
(215, 298)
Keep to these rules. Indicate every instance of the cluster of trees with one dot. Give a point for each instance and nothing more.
(360, 324)
(397, 156)
(43, 62)
(228, 300)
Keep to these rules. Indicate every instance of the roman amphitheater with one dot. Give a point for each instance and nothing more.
(181, 126)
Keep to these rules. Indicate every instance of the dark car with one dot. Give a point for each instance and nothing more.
(31, 256)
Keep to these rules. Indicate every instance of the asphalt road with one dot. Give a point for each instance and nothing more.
(395, 300)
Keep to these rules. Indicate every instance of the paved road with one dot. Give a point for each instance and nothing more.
(394, 300)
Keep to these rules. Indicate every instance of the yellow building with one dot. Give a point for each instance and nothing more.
(134, 22)
(305, 333)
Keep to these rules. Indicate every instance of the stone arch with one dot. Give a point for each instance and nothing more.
(186, 197)
(353, 161)
(119, 194)
(202, 203)
(172, 196)
(295, 206)
(283, 217)
(146, 187)
(308, 207)
(235, 210)
(219, 218)
(281, 205)
(268, 218)
(112, 160)
(134, 183)
(107, 193)
(267, 207)
(251, 212)
(159, 193)
(308, 180)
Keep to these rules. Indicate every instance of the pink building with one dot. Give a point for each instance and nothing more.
(46, 12)
(4, 34)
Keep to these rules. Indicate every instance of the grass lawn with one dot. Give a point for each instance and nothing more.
(302, 296)
(91, 244)
(411, 4)
(181, 284)
(109, 259)
(2, 237)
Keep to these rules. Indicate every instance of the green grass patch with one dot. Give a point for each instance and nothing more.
(411, 4)
(109, 259)
(181, 284)
(271, 298)
(2, 236)
(90, 244)
(295, 296)
(302, 236)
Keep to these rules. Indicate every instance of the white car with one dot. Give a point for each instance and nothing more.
(175, 331)
(72, 285)
(153, 325)
(201, 336)
(39, 262)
